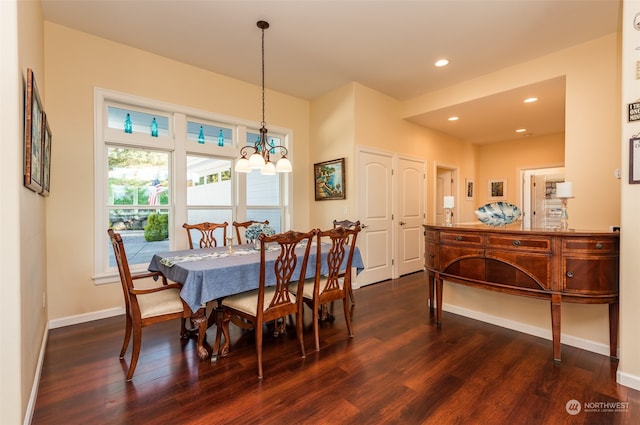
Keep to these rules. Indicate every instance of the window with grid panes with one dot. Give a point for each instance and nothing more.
(159, 166)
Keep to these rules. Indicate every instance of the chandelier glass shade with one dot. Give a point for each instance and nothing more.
(258, 156)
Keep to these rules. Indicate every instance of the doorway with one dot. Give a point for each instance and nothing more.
(446, 182)
(541, 208)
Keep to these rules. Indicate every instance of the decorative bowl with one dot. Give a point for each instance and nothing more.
(498, 213)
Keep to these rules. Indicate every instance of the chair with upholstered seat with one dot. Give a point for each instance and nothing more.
(330, 284)
(271, 303)
(347, 224)
(206, 231)
(144, 307)
(244, 225)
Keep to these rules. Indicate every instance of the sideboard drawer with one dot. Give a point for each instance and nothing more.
(590, 245)
(461, 238)
(520, 242)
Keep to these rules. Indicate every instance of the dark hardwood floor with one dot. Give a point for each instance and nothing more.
(399, 369)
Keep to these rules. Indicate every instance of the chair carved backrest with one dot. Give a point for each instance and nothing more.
(343, 243)
(284, 268)
(206, 229)
(243, 225)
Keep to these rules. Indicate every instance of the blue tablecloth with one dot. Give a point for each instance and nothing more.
(212, 273)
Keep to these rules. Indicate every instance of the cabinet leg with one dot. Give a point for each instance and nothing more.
(613, 330)
(431, 289)
(555, 325)
(438, 282)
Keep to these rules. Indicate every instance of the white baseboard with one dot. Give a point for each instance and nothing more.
(628, 380)
(86, 317)
(31, 405)
(573, 341)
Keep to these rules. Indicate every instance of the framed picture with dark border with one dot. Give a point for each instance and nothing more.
(498, 189)
(46, 156)
(469, 188)
(634, 160)
(32, 135)
(329, 180)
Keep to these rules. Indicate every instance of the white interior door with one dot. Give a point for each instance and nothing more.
(374, 210)
(410, 215)
(445, 183)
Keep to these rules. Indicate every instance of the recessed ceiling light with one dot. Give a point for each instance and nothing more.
(453, 118)
(521, 130)
(442, 62)
(531, 100)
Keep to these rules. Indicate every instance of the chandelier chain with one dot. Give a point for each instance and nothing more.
(263, 28)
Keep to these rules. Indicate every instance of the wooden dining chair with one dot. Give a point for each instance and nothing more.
(144, 307)
(270, 303)
(206, 229)
(348, 224)
(244, 225)
(331, 284)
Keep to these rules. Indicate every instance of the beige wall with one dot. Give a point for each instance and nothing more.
(76, 63)
(592, 130)
(506, 160)
(332, 135)
(11, 381)
(629, 368)
(355, 115)
(22, 217)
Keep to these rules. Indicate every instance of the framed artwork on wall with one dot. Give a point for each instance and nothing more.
(46, 156)
(469, 188)
(498, 189)
(329, 180)
(634, 160)
(32, 135)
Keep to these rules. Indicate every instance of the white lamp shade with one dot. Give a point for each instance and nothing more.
(564, 190)
(269, 169)
(242, 166)
(284, 165)
(256, 161)
(448, 202)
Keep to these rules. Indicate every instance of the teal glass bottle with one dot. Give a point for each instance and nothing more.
(154, 128)
(128, 127)
(201, 136)
(272, 144)
(220, 138)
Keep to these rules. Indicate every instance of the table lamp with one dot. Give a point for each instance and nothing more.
(564, 192)
(448, 207)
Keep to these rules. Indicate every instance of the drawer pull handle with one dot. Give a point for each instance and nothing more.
(516, 243)
(458, 238)
(431, 256)
(598, 245)
(569, 274)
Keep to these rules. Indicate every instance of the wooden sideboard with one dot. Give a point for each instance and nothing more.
(559, 266)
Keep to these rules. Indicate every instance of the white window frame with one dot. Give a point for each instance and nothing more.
(178, 147)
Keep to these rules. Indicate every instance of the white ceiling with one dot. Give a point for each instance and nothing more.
(315, 46)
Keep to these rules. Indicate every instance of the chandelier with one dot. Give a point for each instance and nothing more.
(260, 153)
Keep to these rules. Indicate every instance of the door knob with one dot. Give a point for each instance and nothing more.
(364, 226)
(402, 223)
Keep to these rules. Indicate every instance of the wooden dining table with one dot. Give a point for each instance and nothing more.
(210, 274)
